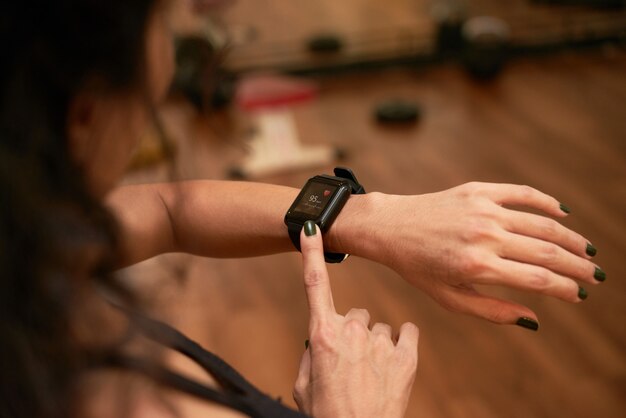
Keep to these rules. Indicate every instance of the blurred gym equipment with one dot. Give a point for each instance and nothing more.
(537, 28)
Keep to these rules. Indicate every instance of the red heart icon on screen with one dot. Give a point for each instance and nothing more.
(326, 193)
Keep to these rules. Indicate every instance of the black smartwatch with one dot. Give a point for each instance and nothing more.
(320, 200)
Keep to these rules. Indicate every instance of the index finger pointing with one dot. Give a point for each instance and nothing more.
(316, 280)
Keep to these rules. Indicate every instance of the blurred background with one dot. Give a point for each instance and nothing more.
(415, 96)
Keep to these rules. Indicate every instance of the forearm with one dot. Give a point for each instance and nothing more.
(222, 219)
(209, 218)
(228, 219)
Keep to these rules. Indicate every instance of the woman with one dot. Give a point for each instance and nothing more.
(78, 81)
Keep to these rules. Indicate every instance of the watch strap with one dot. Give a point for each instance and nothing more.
(294, 234)
(346, 173)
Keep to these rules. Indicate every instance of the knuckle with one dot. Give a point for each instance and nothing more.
(382, 341)
(588, 269)
(323, 338)
(579, 242)
(470, 189)
(549, 253)
(450, 304)
(310, 249)
(540, 279)
(410, 327)
(359, 312)
(549, 227)
(472, 264)
(585, 270)
(355, 328)
(478, 230)
(383, 327)
(474, 186)
(497, 315)
(314, 277)
(526, 192)
(299, 388)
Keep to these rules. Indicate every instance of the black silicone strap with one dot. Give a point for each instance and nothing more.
(294, 234)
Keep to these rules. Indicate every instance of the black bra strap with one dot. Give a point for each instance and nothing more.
(238, 393)
(164, 334)
(167, 378)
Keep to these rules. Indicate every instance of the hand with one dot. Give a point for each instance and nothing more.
(349, 370)
(444, 243)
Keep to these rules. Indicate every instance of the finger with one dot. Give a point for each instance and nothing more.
(316, 280)
(513, 194)
(548, 255)
(546, 229)
(408, 338)
(382, 329)
(361, 315)
(302, 381)
(304, 372)
(499, 311)
(532, 278)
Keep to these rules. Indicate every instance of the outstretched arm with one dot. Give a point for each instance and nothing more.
(443, 243)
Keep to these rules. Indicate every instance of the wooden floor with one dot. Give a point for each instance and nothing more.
(557, 123)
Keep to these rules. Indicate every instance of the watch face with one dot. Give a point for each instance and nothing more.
(314, 198)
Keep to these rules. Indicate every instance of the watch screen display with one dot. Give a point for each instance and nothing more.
(315, 198)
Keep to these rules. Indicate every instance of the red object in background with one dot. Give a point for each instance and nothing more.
(268, 90)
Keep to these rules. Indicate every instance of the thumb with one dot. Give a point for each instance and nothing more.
(302, 381)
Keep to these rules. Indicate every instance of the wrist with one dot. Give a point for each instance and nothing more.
(355, 230)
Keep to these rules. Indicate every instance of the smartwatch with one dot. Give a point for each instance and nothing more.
(320, 200)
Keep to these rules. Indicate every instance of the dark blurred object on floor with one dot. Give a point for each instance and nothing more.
(325, 43)
(590, 3)
(449, 17)
(487, 46)
(397, 112)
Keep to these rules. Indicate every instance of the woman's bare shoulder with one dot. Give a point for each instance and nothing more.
(113, 394)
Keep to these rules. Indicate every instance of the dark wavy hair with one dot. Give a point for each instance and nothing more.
(55, 238)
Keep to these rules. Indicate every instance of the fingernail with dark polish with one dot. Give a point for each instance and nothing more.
(590, 250)
(599, 274)
(306, 344)
(564, 208)
(582, 293)
(528, 323)
(309, 228)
